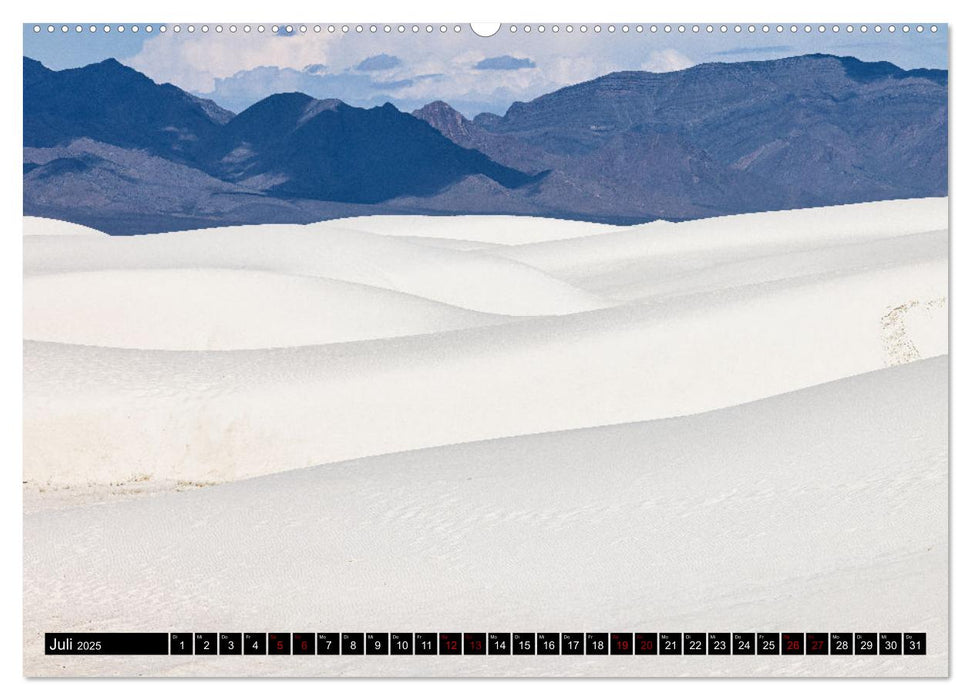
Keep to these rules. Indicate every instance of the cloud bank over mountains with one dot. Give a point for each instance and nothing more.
(473, 74)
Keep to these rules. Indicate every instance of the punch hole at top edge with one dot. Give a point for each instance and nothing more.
(485, 29)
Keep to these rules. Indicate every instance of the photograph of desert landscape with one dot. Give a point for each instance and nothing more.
(409, 329)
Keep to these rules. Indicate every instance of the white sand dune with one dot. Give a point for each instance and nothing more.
(823, 509)
(685, 247)
(448, 243)
(222, 309)
(467, 279)
(647, 279)
(473, 229)
(721, 336)
(107, 414)
(39, 226)
(661, 258)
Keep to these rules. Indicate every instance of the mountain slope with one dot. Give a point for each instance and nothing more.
(324, 149)
(725, 137)
(116, 105)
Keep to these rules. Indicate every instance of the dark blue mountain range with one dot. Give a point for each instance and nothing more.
(114, 104)
(106, 146)
(327, 150)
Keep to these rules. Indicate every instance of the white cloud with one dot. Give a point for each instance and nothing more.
(203, 63)
(195, 61)
(666, 60)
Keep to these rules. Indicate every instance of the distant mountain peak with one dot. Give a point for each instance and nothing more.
(445, 118)
(439, 107)
(315, 107)
(115, 104)
(289, 107)
(113, 67)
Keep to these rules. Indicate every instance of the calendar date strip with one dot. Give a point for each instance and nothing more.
(487, 643)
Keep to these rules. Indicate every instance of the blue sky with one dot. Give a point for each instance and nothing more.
(472, 73)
